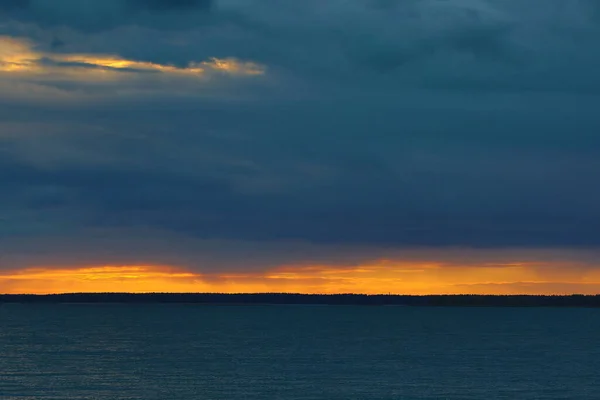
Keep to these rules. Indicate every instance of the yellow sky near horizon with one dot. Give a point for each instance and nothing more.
(382, 277)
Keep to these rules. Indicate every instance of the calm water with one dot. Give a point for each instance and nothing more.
(170, 352)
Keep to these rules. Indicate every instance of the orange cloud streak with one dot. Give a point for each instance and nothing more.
(18, 56)
(381, 277)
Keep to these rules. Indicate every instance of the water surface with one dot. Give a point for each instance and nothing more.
(170, 352)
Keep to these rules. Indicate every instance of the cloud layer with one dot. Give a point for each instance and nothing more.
(91, 16)
(381, 124)
(54, 76)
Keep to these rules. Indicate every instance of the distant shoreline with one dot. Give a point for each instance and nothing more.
(309, 299)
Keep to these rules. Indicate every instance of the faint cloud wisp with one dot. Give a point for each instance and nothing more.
(26, 68)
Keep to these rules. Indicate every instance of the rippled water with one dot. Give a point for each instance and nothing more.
(173, 352)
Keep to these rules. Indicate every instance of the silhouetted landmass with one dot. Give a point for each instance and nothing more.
(337, 299)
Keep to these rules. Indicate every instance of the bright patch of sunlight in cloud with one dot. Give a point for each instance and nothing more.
(19, 57)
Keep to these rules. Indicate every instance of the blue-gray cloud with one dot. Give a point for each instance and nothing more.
(385, 124)
(93, 16)
(244, 179)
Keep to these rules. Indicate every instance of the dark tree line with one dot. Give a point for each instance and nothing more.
(337, 299)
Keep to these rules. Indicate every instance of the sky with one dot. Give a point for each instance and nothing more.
(367, 146)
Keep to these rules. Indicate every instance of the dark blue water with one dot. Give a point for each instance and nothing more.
(170, 352)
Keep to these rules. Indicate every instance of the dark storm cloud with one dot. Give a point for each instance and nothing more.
(454, 45)
(174, 4)
(162, 5)
(219, 181)
(96, 16)
(9, 5)
(378, 123)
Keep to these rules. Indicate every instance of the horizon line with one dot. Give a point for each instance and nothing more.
(299, 294)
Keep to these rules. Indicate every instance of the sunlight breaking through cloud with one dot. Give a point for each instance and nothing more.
(19, 57)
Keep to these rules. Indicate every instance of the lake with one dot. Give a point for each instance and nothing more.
(169, 352)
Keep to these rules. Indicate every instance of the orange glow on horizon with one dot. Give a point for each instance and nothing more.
(380, 277)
